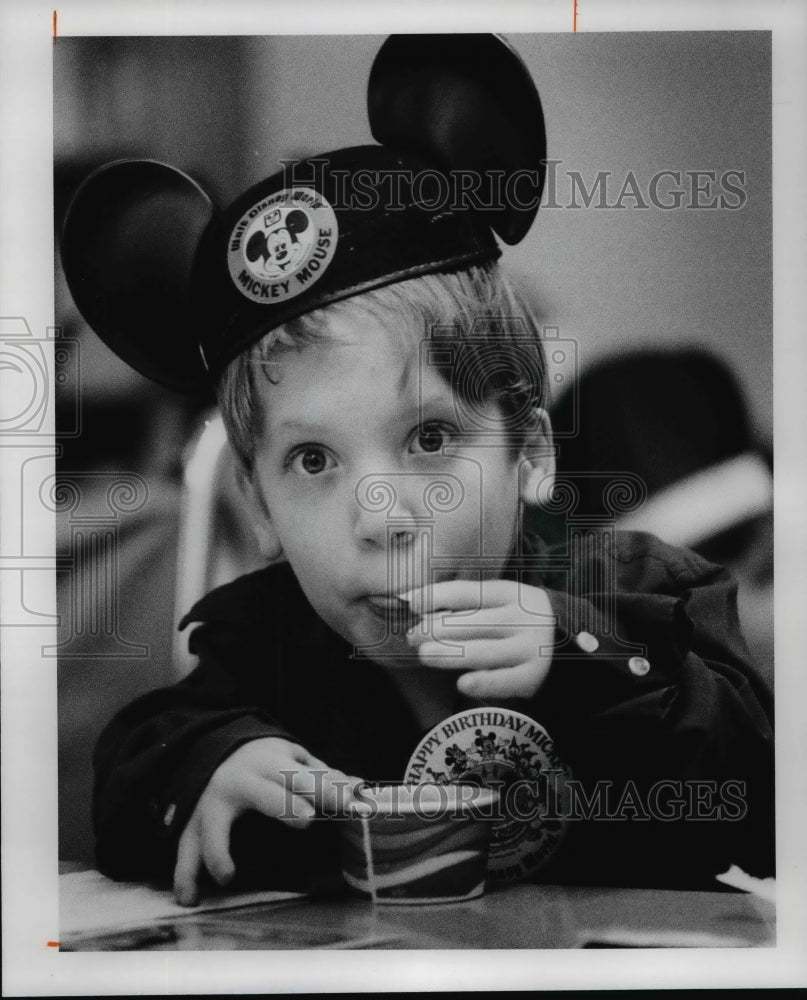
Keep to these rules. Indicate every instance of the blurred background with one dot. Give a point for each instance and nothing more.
(618, 275)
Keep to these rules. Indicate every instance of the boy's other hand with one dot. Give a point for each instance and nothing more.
(504, 631)
(272, 776)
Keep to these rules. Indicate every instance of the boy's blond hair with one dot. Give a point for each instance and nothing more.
(488, 346)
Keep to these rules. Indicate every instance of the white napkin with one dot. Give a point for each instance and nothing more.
(88, 901)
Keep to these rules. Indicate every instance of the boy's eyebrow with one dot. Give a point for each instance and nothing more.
(301, 425)
(437, 402)
(406, 374)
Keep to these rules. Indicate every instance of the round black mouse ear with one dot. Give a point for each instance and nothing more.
(296, 222)
(466, 102)
(128, 243)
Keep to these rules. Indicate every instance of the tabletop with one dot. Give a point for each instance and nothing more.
(519, 916)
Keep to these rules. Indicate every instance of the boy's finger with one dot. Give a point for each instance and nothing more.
(325, 788)
(279, 800)
(216, 845)
(333, 774)
(337, 792)
(311, 761)
(302, 756)
(481, 654)
(489, 624)
(459, 595)
(521, 681)
(189, 863)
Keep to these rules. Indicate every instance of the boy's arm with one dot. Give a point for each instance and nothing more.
(656, 693)
(636, 666)
(156, 757)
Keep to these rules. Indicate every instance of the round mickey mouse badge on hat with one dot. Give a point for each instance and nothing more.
(289, 235)
(514, 754)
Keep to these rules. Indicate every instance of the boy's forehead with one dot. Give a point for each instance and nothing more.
(356, 342)
(359, 361)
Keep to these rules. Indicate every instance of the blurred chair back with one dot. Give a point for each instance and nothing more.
(215, 543)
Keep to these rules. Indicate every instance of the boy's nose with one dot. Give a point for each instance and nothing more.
(386, 512)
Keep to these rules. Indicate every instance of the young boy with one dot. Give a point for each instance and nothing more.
(387, 410)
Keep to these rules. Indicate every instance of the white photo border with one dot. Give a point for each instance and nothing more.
(30, 912)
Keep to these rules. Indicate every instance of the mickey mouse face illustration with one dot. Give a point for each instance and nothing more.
(456, 758)
(486, 744)
(277, 246)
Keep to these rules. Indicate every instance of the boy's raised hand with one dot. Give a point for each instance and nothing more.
(504, 631)
(253, 778)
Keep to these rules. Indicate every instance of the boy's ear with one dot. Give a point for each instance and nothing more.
(268, 543)
(537, 473)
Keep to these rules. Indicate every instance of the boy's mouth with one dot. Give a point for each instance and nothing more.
(395, 610)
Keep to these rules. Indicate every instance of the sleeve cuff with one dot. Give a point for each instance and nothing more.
(596, 664)
(173, 807)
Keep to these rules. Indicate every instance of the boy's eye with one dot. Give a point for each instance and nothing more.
(431, 438)
(310, 461)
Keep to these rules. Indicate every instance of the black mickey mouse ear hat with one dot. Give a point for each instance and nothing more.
(178, 289)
